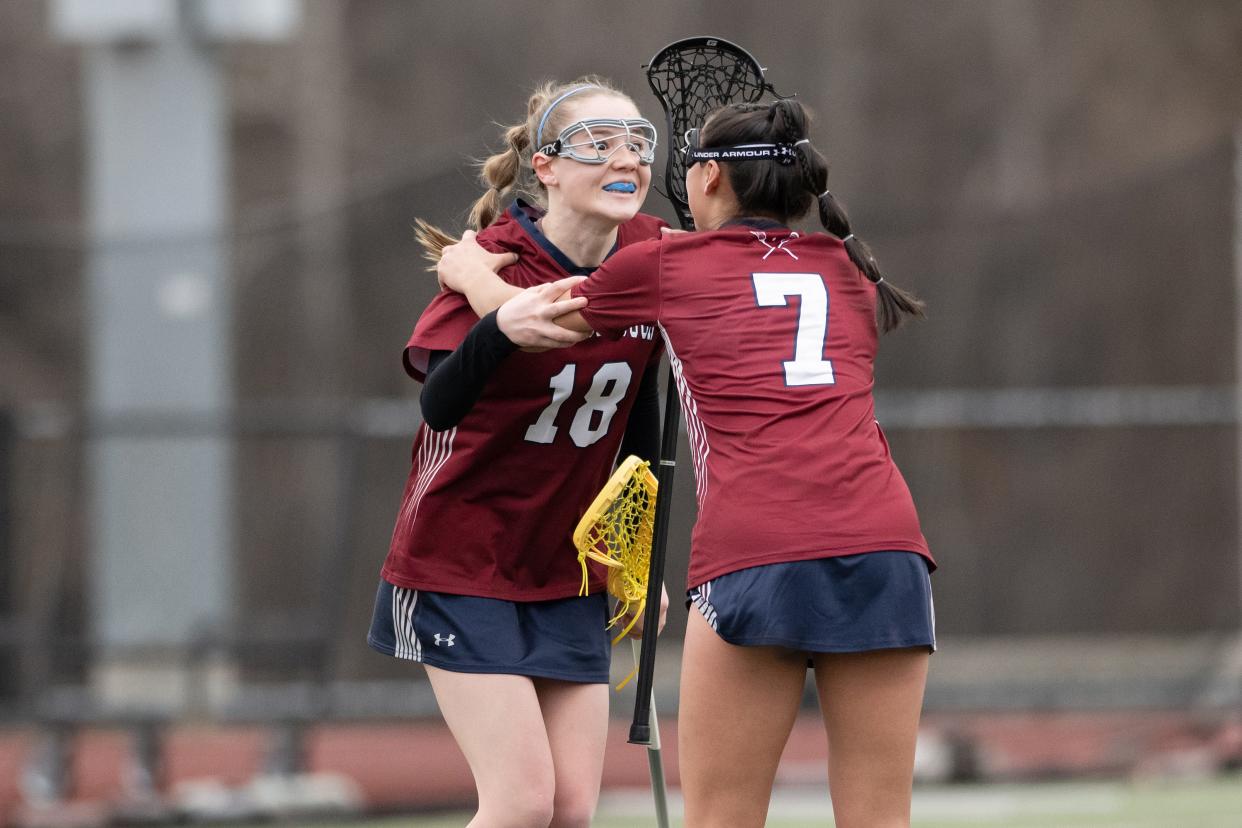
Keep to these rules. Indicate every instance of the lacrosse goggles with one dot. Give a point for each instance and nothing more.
(783, 154)
(596, 140)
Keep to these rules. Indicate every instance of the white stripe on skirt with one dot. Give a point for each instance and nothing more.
(701, 598)
(407, 644)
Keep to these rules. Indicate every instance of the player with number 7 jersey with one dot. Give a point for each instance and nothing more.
(772, 338)
(490, 504)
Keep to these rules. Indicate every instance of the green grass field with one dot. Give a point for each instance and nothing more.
(1206, 804)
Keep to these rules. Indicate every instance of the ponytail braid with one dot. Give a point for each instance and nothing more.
(895, 305)
(499, 173)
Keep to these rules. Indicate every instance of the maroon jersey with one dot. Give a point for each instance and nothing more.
(490, 505)
(772, 338)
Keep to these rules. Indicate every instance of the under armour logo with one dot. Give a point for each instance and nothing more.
(445, 639)
(772, 248)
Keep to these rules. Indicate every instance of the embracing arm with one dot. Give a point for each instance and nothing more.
(469, 269)
(622, 292)
(455, 380)
(573, 321)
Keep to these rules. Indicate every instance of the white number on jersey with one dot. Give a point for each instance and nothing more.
(607, 390)
(808, 366)
(543, 431)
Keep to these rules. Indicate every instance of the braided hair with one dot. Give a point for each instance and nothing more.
(785, 192)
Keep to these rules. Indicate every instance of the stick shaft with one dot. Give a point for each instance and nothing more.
(640, 728)
(655, 760)
(656, 765)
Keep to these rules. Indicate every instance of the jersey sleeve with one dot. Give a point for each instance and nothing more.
(455, 382)
(442, 327)
(624, 291)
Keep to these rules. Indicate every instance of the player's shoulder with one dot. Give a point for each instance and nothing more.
(642, 227)
(514, 232)
(641, 250)
(508, 233)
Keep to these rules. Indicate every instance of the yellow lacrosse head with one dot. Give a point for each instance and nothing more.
(616, 531)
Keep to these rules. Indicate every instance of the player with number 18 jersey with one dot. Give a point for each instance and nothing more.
(772, 337)
(490, 505)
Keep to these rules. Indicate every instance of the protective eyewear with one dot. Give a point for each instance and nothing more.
(595, 141)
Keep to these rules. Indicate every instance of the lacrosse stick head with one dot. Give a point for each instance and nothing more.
(691, 78)
(616, 531)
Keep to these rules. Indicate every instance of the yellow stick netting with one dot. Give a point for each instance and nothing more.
(616, 532)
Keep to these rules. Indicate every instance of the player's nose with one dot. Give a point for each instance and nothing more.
(625, 158)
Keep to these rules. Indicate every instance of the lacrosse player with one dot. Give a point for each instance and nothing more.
(481, 581)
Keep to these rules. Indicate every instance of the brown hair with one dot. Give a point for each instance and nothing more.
(785, 192)
(511, 168)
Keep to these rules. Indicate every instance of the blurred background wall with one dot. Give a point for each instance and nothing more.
(1059, 180)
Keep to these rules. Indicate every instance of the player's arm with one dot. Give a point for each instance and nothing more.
(532, 317)
(455, 379)
(468, 268)
(623, 291)
(573, 321)
(636, 631)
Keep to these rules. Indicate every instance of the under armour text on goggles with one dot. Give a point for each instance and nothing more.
(783, 154)
(596, 140)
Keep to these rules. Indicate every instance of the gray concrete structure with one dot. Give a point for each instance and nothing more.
(159, 346)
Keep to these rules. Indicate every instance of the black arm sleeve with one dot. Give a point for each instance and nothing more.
(642, 432)
(455, 380)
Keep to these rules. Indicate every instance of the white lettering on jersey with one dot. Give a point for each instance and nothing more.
(640, 331)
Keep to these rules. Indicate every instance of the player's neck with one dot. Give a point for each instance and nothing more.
(586, 243)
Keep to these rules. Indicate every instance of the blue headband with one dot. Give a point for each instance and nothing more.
(552, 106)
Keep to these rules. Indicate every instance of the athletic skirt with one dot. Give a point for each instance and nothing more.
(847, 604)
(562, 639)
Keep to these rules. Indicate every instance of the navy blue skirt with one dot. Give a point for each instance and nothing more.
(847, 604)
(561, 639)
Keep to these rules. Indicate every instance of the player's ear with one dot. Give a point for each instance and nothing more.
(542, 167)
(711, 177)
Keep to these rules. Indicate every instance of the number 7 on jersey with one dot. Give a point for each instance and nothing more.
(808, 366)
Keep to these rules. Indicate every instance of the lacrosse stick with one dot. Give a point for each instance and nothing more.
(616, 531)
(690, 78)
